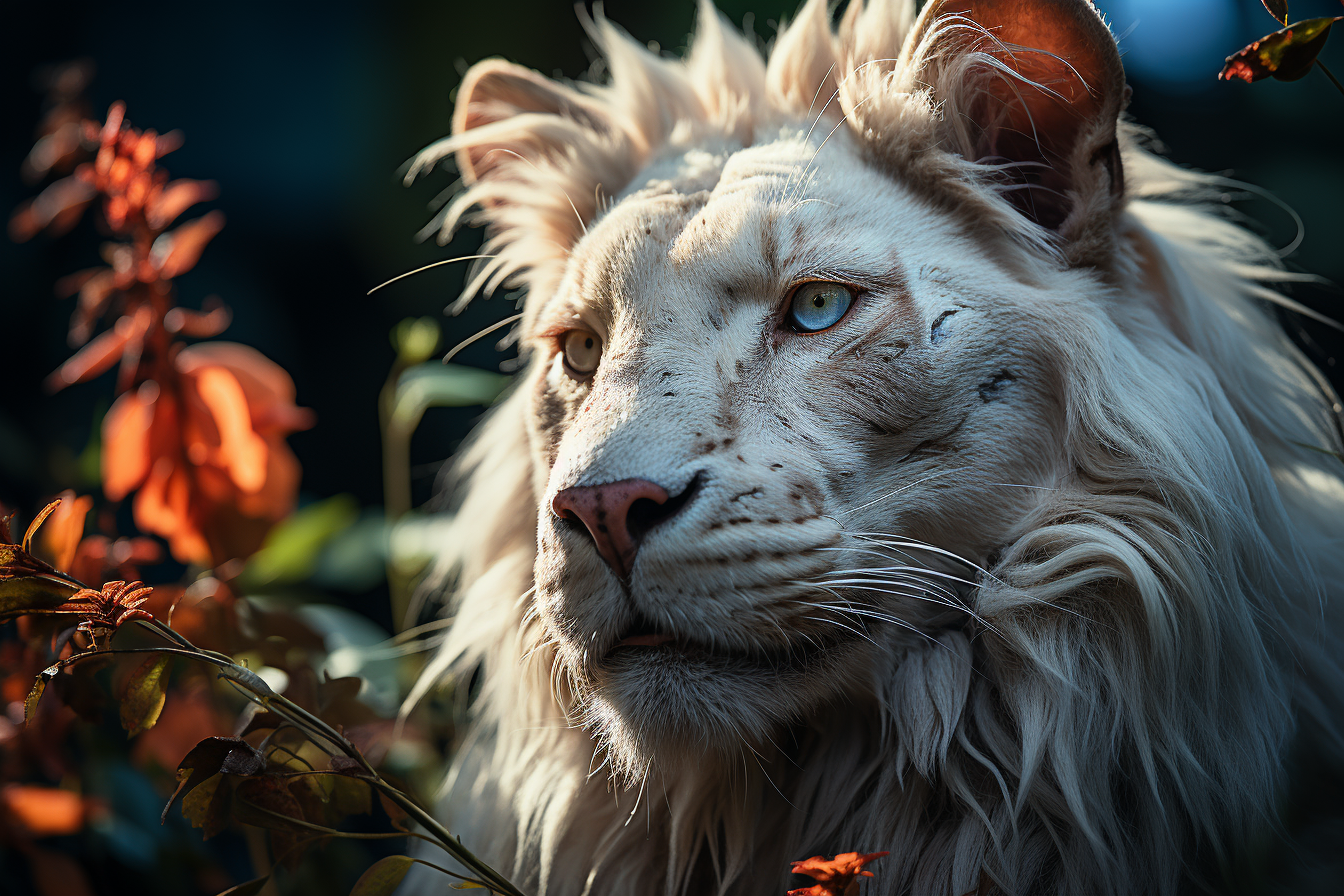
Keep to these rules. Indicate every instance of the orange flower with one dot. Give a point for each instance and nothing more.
(205, 446)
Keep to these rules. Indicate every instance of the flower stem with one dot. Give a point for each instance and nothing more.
(1333, 80)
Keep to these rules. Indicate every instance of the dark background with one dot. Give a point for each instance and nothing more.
(304, 112)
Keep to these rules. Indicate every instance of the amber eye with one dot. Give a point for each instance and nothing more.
(582, 350)
(818, 305)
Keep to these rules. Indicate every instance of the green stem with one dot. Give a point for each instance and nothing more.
(1333, 80)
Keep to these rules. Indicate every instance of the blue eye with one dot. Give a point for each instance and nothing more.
(818, 305)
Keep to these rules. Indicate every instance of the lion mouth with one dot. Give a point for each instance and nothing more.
(644, 639)
(642, 633)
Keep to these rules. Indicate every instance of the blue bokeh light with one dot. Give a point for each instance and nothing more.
(1176, 46)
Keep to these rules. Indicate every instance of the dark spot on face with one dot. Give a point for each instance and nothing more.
(776, 466)
(741, 458)
(668, 394)
(706, 448)
(717, 524)
(738, 520)
(729, 291)
(994, 388)
(715, 320)
(938, 332)
(648, 230)
(774, 520)
(602, 527)
(728, 441)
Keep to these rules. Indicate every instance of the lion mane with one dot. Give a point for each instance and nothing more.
(1116, 709)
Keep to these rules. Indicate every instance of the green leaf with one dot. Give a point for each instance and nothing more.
(35, 695)
(383, 876)
(143, 696)
(1286, 55)
(207, 805)
(28, 585)
(251, 888)
(230, 755)
(290, 551)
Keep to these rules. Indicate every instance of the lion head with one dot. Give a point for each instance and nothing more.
(901, 462)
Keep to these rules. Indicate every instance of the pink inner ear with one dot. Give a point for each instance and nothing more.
(1062, 46)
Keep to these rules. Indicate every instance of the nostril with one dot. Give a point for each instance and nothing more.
(616, 515)
(644, 513)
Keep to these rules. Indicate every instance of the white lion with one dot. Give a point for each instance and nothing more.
(904, 461)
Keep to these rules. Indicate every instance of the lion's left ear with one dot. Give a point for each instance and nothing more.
(1034, 87)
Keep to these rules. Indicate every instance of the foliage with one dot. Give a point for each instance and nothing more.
(839, 876)
(1285, 55)
(225, 690)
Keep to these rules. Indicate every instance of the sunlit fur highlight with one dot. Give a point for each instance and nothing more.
(1165, 617)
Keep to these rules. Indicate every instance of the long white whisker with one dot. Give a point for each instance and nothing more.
(434, 264)
(511, 319)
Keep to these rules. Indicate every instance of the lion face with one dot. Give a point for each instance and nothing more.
(783, 414)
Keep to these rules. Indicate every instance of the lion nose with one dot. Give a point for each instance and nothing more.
(618, 514)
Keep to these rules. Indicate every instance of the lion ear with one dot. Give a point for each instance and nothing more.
(1034, 87)
(504, 108)
(537, 158)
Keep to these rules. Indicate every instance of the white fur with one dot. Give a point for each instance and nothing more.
(1088, 619)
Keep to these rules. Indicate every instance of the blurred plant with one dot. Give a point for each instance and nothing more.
(1285, 55)
(198, 432)
(304, 774)
(414, 385)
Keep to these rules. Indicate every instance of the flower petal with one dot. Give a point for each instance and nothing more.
(241, 451)
(126, 447)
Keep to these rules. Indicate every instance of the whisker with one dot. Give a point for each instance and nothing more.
(511, 319)
(434, 264)
(906, 487)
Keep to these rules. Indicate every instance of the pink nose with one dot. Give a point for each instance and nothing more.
(605, 511)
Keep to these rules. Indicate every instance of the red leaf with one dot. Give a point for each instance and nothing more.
(837, 877)
(178, 251)
(57, 208)
(1286, 55)
(177, 197)
(1278, 9)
